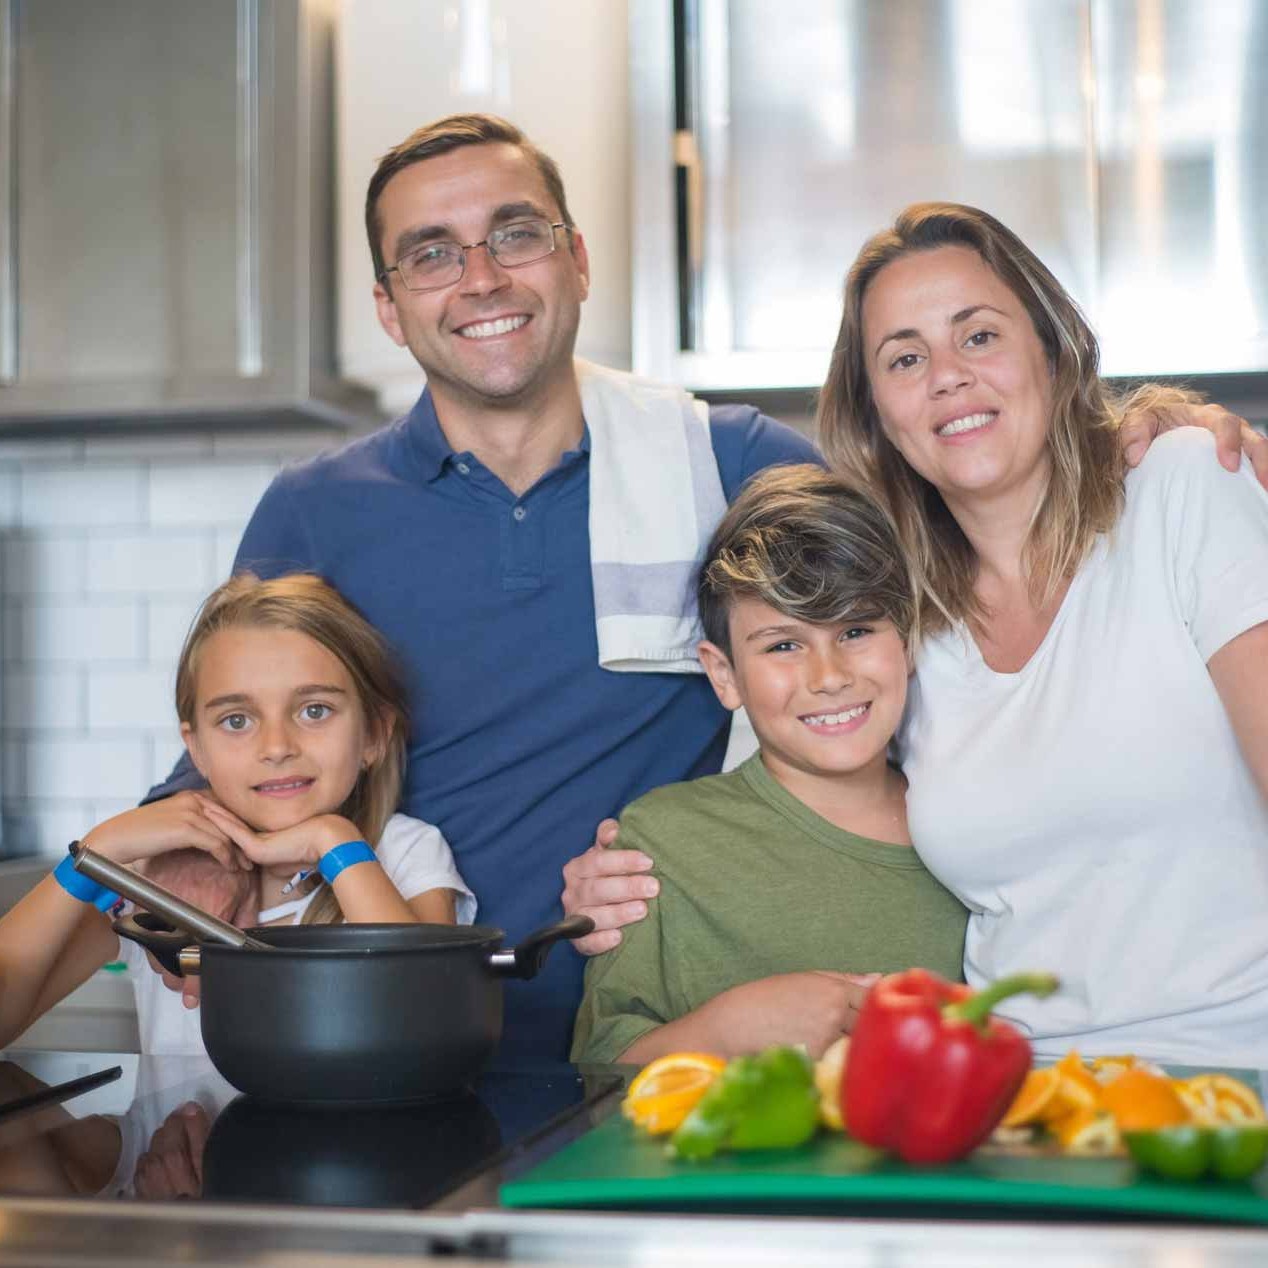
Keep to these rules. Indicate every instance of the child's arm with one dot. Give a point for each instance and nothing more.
(365, 891)
(814, 1008)
(51, 942)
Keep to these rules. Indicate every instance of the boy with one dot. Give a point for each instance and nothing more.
(785, 880)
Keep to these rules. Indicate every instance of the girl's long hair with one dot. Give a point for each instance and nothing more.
(307, 605)
(1084, 496)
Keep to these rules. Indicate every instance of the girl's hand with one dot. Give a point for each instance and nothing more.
(176, 823)
(293, 848)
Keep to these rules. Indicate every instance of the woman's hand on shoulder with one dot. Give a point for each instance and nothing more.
(299, 846)
(175, 823)
(609, 886)
(1234, 436)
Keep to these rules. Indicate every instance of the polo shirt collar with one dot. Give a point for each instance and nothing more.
(433, 451)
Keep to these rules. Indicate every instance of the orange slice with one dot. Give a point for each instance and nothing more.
(1031, 1103)
(1088, 1131)
(666, 1090)
(1141, 1101)
(1219, 1099)
(1077, 1089)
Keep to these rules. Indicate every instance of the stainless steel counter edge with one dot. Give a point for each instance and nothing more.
(100, 1233)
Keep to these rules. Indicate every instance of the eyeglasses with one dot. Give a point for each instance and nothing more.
(442, 263)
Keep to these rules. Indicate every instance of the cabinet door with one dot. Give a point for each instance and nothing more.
(134, 208)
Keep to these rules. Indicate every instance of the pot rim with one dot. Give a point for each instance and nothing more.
(472, 938)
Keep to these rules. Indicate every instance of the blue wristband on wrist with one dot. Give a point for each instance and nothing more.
(349, 854)
(77, 885)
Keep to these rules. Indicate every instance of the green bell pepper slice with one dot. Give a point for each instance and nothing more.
(766, 1101)
(1189, 1153)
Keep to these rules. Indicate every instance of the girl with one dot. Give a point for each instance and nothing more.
(290, 709)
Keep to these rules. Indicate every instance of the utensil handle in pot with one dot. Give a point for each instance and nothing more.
(527, 959)
(162, 902)
(165, 945)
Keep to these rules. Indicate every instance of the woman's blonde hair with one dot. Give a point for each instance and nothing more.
(1084, 496)
(305, 604)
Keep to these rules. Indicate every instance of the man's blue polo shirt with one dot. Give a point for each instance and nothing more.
(519, 742)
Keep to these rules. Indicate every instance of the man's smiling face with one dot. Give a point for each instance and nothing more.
(496, 338)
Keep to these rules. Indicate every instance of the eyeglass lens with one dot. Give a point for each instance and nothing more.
(439, 263)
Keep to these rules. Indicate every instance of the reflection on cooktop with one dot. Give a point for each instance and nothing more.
(187, 1134)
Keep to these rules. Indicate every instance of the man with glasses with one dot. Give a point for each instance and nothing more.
(463, 531)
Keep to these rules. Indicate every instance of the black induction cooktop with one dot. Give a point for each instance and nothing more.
(169, 1128)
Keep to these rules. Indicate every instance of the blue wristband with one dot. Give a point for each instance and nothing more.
(77, 885)
(349, 854)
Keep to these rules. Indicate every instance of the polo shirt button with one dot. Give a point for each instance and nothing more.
(464, 469)
(519, 512)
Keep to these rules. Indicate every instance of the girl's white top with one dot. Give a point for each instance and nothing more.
(416, 858)
(1094, 811)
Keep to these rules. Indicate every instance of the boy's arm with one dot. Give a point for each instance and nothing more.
(813, 1008)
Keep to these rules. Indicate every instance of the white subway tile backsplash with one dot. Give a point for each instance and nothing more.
(167, 624)
(206, 493)
(227, 540)
(35, 698)
(91, 769)
(45, 827)
(107, 546)
(44, 564)
(130, 698)
(167, 749)
(57, 496)
(142, 563)
(42, 630)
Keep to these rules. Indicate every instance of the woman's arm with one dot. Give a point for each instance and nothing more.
(1240, 673)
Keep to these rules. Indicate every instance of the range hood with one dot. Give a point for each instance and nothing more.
(166, 246)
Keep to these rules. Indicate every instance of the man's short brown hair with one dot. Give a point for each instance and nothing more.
(809, 545)
(452, 133)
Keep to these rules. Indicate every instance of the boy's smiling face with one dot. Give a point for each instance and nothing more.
(823, 699)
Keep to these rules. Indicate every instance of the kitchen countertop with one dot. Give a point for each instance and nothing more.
(54, 1164)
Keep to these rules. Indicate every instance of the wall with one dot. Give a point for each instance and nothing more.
(108, 546)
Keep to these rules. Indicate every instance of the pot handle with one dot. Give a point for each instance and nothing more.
(527, 959)
(163, 942)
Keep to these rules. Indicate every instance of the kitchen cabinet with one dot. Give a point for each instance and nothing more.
(165, 203)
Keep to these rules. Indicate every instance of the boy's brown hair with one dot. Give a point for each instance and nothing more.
(809, 545)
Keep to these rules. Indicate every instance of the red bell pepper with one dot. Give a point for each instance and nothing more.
(930, 1071)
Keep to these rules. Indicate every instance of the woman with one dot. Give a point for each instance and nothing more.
(1087, 740)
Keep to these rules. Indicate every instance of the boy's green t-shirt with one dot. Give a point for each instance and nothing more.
(754, 883)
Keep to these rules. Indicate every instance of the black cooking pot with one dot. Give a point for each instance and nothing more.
(352, 1012)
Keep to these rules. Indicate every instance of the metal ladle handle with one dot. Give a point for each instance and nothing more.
(162, 902)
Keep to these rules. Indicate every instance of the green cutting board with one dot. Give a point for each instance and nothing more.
(615, 1165)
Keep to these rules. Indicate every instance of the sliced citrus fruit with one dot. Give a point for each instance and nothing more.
(1035, 1096)
(829, 1072)
(1215, 1099)
(666, 1090)
(1088, 1131)
(1141, 1101)
(1077, 1089)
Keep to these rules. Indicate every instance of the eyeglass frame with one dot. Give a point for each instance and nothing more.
(464, 247)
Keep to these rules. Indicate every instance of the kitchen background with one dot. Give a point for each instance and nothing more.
(184, 290)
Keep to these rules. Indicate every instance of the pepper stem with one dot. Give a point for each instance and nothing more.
(977, 1008)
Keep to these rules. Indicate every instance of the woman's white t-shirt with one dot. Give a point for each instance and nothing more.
(416, 858)
(1093, 811)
